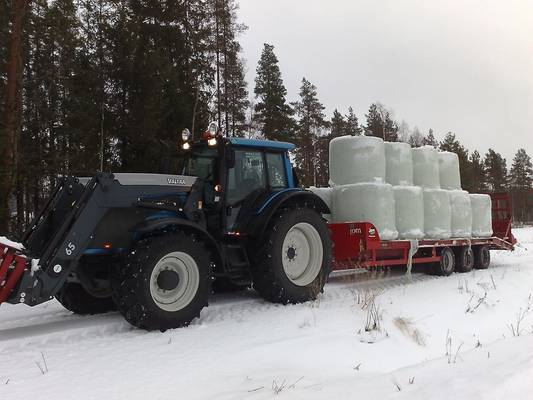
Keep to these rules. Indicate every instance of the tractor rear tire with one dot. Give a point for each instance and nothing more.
(75, 298)
(164, 282)
(294, 259)
(446, 265)
(464, 259)
(481, 257)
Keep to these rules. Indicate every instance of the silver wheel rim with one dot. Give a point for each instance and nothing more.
(189, 280)
(302, 254)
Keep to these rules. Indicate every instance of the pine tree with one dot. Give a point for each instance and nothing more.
(379, 123)
(520, 180)
(352, 123)
(477, 179)
(337, 124)
(495, 171)
(311, 123)
(429, 139)
(416, 139)
(452, 144)
(271, 110)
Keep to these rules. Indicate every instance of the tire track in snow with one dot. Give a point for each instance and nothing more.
(60, 327)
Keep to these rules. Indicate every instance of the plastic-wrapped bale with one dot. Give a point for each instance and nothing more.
(426, 167)
(399, 163)
(325, 193)
(409, 202)
(449, 175)
(461, 214)
(481, 215)
(437, 214)
(355, 159)
(366, 202)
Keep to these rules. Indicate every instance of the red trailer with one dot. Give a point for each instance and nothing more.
(358, 245)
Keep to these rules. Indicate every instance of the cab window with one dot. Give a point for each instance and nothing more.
(277, 177)
(246, 176)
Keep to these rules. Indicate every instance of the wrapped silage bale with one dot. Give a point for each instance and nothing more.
(355, 159)
(426, 167)
(409, 207)
(481, 215)
(449, 175)
(325, 193)
(399, 163)
(437, 214)
(366, 202)
(461, 214)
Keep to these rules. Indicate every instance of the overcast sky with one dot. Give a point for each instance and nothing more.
(462, 66)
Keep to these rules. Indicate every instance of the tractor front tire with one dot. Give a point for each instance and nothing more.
(75, 298)
(293, 261)
(164, 283)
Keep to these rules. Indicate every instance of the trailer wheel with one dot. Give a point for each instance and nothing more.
(164, 282)
(464, 259)
(446, 265)
(293, 262)
(75, 298)
(481, 257)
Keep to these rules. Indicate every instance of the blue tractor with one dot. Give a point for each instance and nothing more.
(227, 211)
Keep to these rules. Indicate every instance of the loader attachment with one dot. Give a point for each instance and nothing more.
(12, 265)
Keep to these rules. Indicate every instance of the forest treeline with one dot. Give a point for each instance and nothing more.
(108, 85)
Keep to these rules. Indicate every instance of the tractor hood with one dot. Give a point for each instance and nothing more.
(155, 180)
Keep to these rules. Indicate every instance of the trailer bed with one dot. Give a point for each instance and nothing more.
(358, 245)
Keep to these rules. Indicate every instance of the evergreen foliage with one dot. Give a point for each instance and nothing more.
(272, 112)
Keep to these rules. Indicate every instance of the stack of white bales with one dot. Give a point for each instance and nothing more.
(360, 193)
(406, 193)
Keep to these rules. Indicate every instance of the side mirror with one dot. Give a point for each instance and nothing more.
(230, 157)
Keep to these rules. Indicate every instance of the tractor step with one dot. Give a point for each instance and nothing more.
(12, 265)
(238, 265)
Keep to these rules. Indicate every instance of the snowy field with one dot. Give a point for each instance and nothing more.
(467, 336)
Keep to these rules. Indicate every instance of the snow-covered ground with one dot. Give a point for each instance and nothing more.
(441, 338)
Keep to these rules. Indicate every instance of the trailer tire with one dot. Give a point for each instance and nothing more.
(464, 259)
(481, 257)
(164, 282)
(75, 298)
(291, 233)
(446, 265)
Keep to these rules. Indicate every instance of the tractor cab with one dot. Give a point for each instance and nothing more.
(238, 177)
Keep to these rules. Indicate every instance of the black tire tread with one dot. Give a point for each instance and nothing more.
(135, 304)
(75, 298)
(275, 287)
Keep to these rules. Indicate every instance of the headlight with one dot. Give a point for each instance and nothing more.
(185, 135)
(212, 129)
(212, 142)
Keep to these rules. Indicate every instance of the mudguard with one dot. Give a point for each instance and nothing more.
(161, 224)
(286, 198)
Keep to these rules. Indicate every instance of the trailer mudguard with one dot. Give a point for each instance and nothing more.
(285, 198)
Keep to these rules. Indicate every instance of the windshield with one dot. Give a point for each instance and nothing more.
(200, 162)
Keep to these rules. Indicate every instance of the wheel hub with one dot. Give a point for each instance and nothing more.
(168, 279)
(302, 254)
(291, 253)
